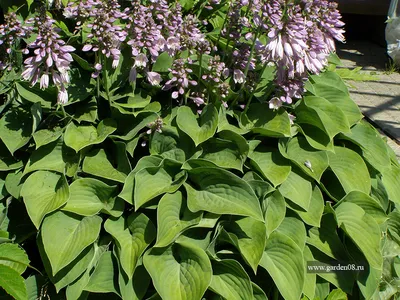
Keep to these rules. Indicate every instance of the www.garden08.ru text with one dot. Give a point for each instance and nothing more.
(313, 267)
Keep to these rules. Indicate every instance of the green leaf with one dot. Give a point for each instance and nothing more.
(12, 283)
(314, 213)
(74, 270)
(11, 255)
(373, 147)
(337, 294)
(283, 260)
(311, 278)
(133, 235)
(173, 217)
(163, 63)
(144, 162)
(221, 192)
(368, 204)
(258, 293)
(47, 136)
(200, 128)
(362, 229)
(301, 153)
(154, 181)
(35, 95)
(321, 113)
(350, 169)
(265, 121)
(394, 225)
(44, 192)
(16, 128)
(89, 196)
(53, 157)
(295, 230)
(86, 112)
(180, 271)
(316, 137)
(7, 162)
(297, 189)
(66, 235)
(274, 211)
(79, 137)
(136, 287)
(271, 164)
(230, 280)
(225, 154)
(249, 236)
(391, 181)
(98, 163)
(326, 239)
(103, 279)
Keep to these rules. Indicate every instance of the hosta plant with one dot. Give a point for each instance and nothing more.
(188, 150)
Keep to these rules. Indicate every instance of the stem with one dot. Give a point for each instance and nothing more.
(246, 70)
(106, 81)
(63, 111)
(223, 24)
(276, 294)
(200, 63)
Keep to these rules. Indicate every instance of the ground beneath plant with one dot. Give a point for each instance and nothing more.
(378, 100)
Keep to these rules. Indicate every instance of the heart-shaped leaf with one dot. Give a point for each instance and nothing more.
(199, 129)
(133, 235)
(179, 272)
(44, 192)
(65, 235)
(213, 192)
(173, 217)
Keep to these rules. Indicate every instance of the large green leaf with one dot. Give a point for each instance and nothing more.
(151, 182)
(66, 235)
(350, 169)
(12, 283)
(274, 208)
(249, 236)
(7, 162)
(316, 137)
(311, 161)
(283, 260)
(133, 235)
(297, 189)
(373, 147)
(311, 278)
(230, 280)
(136, 287)
(221, 192)
(16, 128)
(225, 153)
(321, 113)
(103, 279)
(89, 196)
(179, 272)
(47, 136)
(54, 156)
(81, 136)
(144, 162)
(13, 256)
(295, 230)
(199, 129)
(265, 121)
(391, 181)
(362, 229)
(314, 213)
(44, 192)
(115, 167)
(368, 204)
(173, 217)
(271, 164)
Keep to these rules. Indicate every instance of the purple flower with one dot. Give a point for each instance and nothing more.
(154, 78)
(180, 78)
(52, 56)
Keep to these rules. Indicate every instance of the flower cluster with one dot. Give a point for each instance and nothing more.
(52, 57)
(301, 36)
(10, 32)
(180, 78)
(106, 34)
